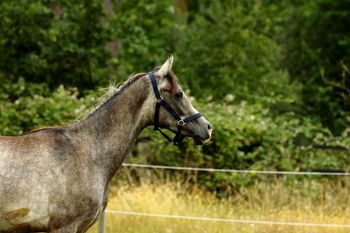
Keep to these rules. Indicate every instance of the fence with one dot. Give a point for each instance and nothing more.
(102, 221)
(336, 173)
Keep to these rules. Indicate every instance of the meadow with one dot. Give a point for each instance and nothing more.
(303, 200)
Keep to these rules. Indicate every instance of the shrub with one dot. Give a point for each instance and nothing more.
(251, 136)
(35, 110)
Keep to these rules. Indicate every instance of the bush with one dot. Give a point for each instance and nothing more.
(251, 136)
(34, 110)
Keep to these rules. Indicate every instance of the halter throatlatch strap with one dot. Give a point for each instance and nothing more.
(160, 102)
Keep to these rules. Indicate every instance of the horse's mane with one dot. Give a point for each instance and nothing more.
(45, 128)
(114, 90)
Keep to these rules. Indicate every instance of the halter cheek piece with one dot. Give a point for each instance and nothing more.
(181, 121)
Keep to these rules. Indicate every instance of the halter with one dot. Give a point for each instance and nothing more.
(181, 121)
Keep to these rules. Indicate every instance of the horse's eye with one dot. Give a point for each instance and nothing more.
(179, 95)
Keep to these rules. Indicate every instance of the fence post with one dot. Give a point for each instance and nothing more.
(102, 223)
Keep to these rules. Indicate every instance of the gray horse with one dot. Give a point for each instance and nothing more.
(56, 179)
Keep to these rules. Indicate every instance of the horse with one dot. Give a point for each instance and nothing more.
(56, 179)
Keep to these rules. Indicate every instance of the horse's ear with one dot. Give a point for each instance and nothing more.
(166, 67)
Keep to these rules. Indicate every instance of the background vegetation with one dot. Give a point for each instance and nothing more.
(272, 77)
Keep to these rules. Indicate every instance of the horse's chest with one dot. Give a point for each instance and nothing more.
(93, 206)
(84, 207)
(91, 201)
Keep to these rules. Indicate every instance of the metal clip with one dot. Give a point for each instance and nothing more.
(181, 122)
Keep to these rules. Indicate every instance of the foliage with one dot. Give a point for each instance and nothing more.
(33, 111)
(222, 53)
(317, 55)
(53, 42)
(251, 136)
(145, 34)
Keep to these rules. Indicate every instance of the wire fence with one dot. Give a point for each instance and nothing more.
(230, 220)
(102, 221)
(336, 173)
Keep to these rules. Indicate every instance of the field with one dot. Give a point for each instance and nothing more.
(322, 201)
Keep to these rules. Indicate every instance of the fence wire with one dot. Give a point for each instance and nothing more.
(236, 171)
(229, 220)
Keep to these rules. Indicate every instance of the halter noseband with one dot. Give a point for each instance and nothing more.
(181, 121)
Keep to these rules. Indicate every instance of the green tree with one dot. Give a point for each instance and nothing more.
(54, 42)
(222, 52)
(145, 33)
(317, 54)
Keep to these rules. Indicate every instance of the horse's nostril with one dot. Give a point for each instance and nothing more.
(210, 126)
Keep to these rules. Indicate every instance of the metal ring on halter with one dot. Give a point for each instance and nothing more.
(181, 122)
(159, 99)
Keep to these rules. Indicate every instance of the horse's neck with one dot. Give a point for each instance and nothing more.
(112, 129)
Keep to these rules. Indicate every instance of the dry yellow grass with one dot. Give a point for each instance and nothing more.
(323, 203)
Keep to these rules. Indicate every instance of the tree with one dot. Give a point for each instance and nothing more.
(317, 54)
(54, 42)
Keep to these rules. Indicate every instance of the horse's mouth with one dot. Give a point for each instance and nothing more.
(198, 140)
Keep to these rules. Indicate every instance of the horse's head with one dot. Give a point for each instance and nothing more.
(174, 110)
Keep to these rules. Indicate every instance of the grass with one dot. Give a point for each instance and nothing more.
(303, 201)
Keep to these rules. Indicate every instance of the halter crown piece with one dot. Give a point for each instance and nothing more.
(181, 121)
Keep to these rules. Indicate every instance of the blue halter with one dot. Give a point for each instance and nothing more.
(181, 122)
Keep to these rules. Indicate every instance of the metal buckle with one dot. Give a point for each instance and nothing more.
(181, 122)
